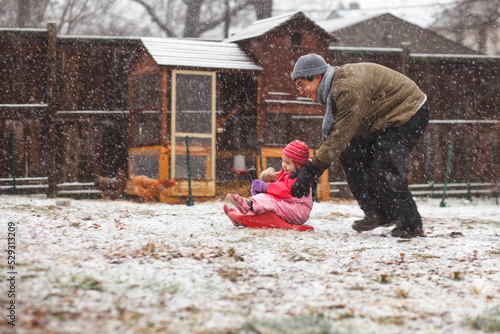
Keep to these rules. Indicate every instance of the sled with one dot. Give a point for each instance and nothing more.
(265, 220)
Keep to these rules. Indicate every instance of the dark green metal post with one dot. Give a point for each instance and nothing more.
(13, 190)
(495, 193)
(190, 201)
(443, 204)
(314, 154)
(429, 164)
(469, 197)
(260, 154)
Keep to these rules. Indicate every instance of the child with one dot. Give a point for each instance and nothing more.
(276, 196)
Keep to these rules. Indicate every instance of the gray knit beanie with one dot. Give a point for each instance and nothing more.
(308, 66)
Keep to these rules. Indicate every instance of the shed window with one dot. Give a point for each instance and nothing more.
(145, 91)
(193, 103)
(296, 38)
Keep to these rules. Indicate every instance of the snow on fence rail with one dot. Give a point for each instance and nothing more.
(37, 185)
(426, 189)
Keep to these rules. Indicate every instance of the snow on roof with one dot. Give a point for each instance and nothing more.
(196, 53)
(341, 19)
(346, 18)
(260, 27)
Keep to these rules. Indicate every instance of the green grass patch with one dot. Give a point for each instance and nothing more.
(89, 283)
(488, 322)
(85, 283)
(301, 324)
(391, 320)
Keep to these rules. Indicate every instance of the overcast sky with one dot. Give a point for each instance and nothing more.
(420, 12)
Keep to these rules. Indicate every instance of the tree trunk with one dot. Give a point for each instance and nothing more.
(191, 28)
(227, 20)
(263, 9)
(482, 38)
(23, 14)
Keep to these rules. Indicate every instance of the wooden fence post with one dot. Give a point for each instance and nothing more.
(51, 109)
(495, 192)
(405, 58)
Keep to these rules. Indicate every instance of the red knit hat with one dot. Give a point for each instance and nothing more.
(298, 152)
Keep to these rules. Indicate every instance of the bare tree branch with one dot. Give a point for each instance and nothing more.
(150, 10)
(205, 26)
(478, 18)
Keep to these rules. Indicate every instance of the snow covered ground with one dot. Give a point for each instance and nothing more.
(97, 266)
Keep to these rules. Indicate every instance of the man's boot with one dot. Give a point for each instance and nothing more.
(407, 232)
(370, 222)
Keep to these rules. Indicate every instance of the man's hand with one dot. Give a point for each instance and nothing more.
(252, 173)
(305, 179)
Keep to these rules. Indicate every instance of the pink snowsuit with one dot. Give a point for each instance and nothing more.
(279, 200)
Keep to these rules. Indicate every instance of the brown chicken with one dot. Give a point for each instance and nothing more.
(149, 189)
(111, 187)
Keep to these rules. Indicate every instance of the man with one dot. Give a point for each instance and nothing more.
(374, 117)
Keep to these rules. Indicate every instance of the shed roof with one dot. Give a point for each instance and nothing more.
(261, 27)
(197, 53)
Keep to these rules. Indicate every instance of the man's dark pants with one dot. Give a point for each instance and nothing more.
(374, 168)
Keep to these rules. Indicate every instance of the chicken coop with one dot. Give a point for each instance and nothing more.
(177, 89)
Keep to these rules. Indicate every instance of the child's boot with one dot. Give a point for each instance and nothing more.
(239, 202)
(228, 209)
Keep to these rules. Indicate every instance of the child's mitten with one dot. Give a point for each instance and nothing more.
(269, 175)
(258, 186)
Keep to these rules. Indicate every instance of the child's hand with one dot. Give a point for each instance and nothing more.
(258, 186)
(269, 175)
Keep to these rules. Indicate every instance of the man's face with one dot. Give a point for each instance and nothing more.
(308, 88)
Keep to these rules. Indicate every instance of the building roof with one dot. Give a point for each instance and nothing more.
(197, 53)
(262, 27)
(344, 18)
(389, 31)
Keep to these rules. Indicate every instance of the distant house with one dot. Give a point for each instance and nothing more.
(389, 31)
(472, 23)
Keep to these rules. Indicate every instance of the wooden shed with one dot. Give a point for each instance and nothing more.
(177, 91)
